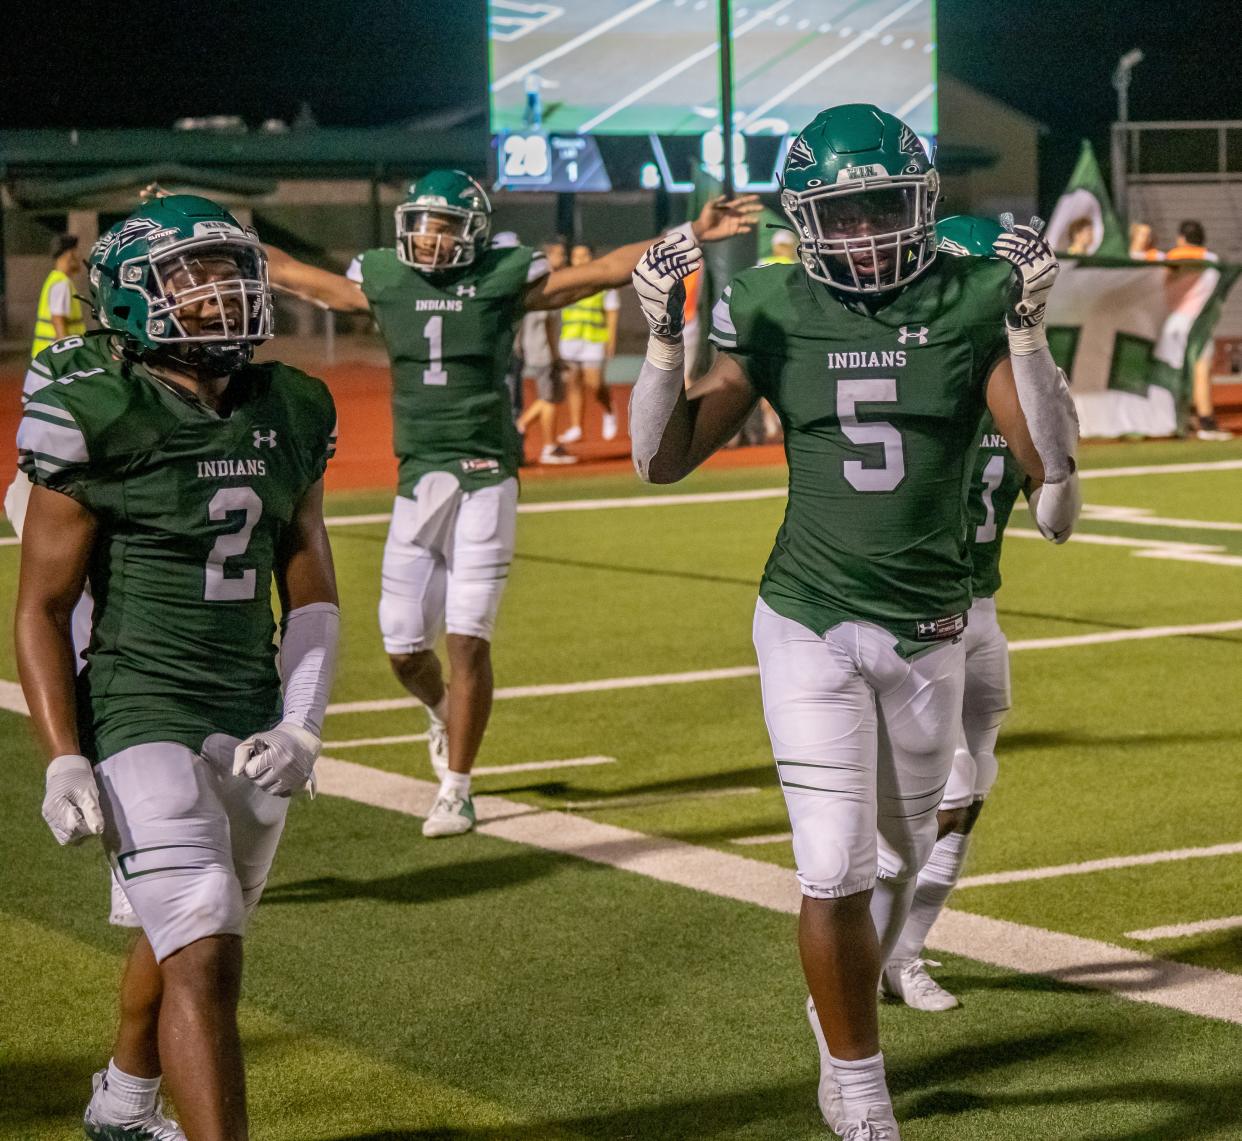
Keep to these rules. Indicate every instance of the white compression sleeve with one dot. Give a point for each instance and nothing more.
(308, 647)
(1051, 417)
(659, 386)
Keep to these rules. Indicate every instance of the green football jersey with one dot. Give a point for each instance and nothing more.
(994, 487)
(191, 509)
(450, 336)
(881, 408)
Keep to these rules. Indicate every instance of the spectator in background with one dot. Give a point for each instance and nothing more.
(1192, 246)
(60, 312)
(588, 339)
(784, 249)
(538, 336)
(1081, 237)
(1143, 243)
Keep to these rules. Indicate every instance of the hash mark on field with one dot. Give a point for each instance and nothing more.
(1014, 946)
(1184, 930)
(645, 798)
(1108, 864)
(770, 838)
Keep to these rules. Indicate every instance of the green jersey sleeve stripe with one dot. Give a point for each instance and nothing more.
(49, 414)
(63, 443)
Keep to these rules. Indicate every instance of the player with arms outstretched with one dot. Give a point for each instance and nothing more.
(448, 305)
(996, 481)
(880, 359)
(178, 479)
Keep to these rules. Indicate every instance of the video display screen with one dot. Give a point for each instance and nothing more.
(651, 66)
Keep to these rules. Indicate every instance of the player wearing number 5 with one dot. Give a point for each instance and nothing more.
(448, 305)
(880, 359)
(179, 479)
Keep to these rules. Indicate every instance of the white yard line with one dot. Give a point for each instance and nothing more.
(1142, 516)
(10, 541)
(1161, 469)
(642, 799)
(1139, 635)
(368, 742)
(540, 766)
(574, 44)
(1107, 864)
(12, 698)
(770, 838)
(1012, 946)
(1185, 930)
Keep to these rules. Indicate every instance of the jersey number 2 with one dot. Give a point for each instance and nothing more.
(218, 587)
(888, 475)
(434, 332)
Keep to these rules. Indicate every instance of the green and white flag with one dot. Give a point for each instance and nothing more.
(1128, 335)
(1086, 198)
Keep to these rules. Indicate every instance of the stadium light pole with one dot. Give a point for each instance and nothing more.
(1121, 131)
(725, 24)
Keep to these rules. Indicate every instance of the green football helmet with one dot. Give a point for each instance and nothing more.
(967, 235)
(861, 194)
(183, 279)
(444, 222)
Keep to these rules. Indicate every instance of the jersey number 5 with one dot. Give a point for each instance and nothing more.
(217, 586)
(888, 475)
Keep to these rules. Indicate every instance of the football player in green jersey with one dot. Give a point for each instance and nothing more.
(448, 305)
(995, 482)
(179, 480)
(880, 359)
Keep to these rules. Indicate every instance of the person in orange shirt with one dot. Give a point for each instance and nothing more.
(1191, 246)
(1143, 243)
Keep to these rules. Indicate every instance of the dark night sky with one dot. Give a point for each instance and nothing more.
(373, 61)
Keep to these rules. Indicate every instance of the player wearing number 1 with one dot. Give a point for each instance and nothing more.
(880, 359)
(178, 479)
(448, 305)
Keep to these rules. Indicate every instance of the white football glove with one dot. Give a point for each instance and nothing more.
(280, 760)
(71, 804)
(658, 281)
(1035, 271)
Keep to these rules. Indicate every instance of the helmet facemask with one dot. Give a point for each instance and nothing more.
(869, 235)
(432, 238)
(208, 300)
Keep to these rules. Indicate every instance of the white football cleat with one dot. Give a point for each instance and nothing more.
(610, 426)
(437, 747)
(153, 1127)
(451, 815)
(878, 1124)
(829, 1096)
(910, 983)
(569, 436)
(555, 454)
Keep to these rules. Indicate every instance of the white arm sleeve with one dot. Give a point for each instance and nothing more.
(308, 649)
(354, 272)
(1051, 418)
(659, 386)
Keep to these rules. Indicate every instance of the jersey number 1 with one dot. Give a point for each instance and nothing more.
(434, 332)
(217, 586)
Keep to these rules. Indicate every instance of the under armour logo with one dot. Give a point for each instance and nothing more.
(466, 290)
(264, 439)
(905, 335)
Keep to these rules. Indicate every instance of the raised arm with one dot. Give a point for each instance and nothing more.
(673, 431)
(57, 540)
(334, 290)
(721, 218)
(281, 760)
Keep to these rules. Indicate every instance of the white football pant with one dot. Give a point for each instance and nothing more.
(446, 562)
(863, 740)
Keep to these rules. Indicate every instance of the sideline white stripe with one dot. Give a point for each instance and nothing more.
(1185, 930)
(574, 44)
(1142, 516)
(1161, 469)
(559, 689)
(770, 838)
(645, 89)
(861, 40)
(1082, 962)
(1110, 863)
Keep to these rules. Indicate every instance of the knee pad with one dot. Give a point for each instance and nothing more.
(403, 626)
(959, 792)
(986, 770)
(905, 845)
(834, 844)
(186, 904)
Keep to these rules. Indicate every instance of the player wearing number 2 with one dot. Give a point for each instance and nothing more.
(448, 305)
(880, 359)
(178, 479)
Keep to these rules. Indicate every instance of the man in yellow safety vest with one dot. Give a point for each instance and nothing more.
(60, 312)
(588, 338)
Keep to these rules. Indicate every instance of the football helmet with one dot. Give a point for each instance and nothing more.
(861, 194)
(967, 235)
(183, 279)
(444, 222)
